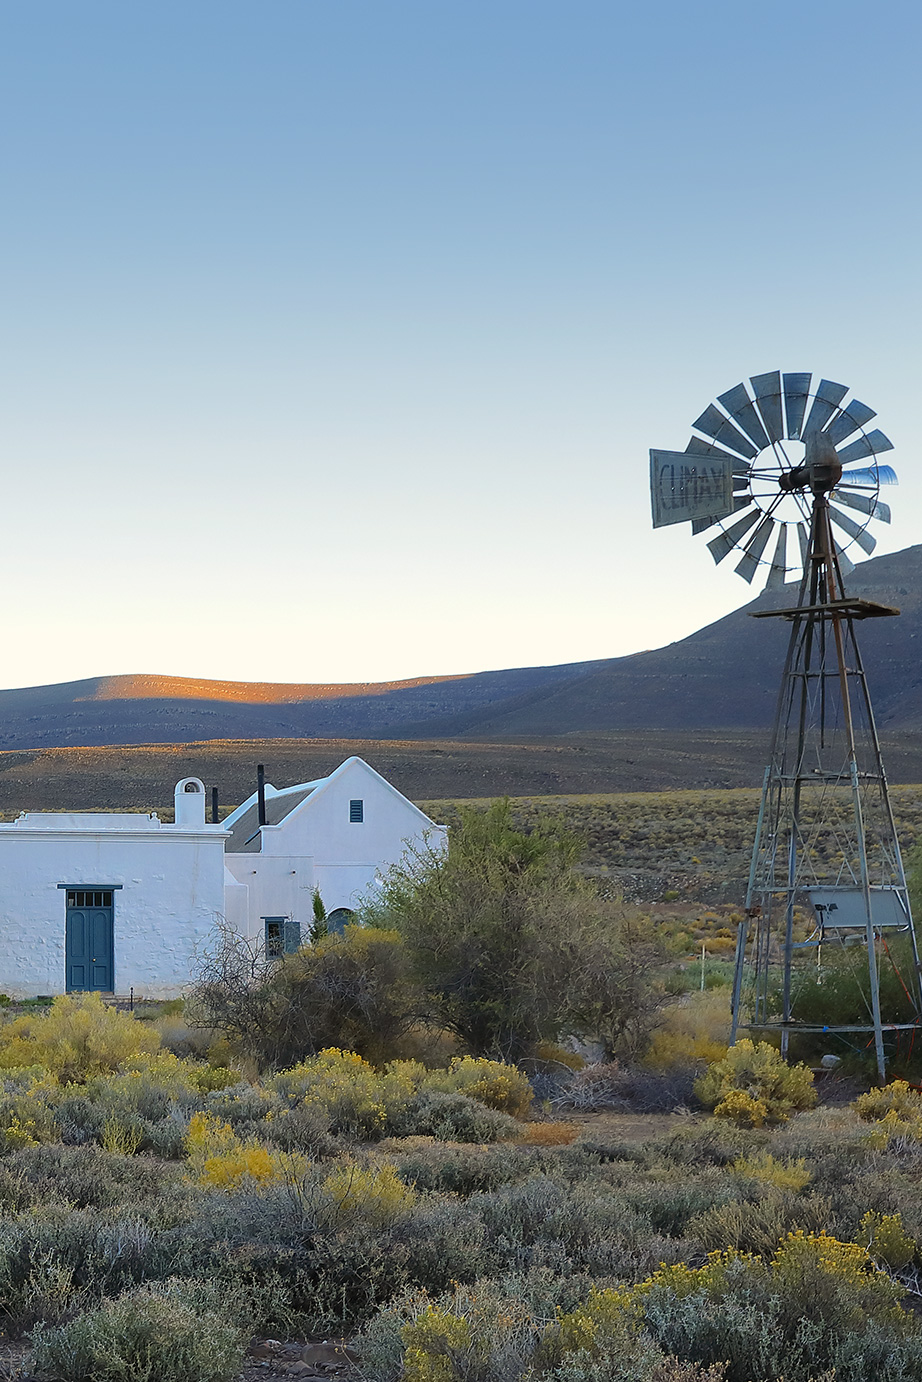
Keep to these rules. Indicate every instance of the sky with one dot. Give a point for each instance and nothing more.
(334, 336)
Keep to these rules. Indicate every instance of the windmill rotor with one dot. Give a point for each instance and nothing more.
(758, 459)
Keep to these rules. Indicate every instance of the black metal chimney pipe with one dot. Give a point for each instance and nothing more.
(261, 793)
(214, 806)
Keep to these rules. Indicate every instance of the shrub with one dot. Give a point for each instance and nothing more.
(767, 1170)
(885, 1238)
(758, 1226)
(140, 1336)
(550, 1134)
(499, 1086)
(375, 1194)
(80, 1036)
(455, 1118)
(739, 1107)
(898, 1099)
(341, 1084)
(756, 1070)
(222, 1161)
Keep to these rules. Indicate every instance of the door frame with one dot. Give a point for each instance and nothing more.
(112, 888)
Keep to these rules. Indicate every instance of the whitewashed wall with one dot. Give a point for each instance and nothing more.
(318, 846)
(170, 896)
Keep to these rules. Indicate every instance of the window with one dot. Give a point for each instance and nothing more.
(283, 937)
(80, 897)
(357, 811)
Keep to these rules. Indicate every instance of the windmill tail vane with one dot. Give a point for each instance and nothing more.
(786, 474)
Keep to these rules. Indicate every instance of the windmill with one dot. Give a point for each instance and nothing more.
(788, 476)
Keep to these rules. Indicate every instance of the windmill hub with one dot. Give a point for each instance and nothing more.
(820, 472)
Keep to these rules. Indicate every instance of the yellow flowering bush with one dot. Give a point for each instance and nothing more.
(375, 1194)
(896, 1113)
(343, 1085)
(585, 1329)
(78, 1037)
(898, 1097)
(767, 1170)
(219, 1158)
(757, 1070)
(839, 1279)
(886, 1240)
(739, 1107)
(499, 1086)
(434, 1341)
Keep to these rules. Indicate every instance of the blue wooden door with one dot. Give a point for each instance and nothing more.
(89, 941)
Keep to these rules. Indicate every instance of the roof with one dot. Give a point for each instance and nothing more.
(243, 823)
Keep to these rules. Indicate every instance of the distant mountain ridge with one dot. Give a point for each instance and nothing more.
(725, 676)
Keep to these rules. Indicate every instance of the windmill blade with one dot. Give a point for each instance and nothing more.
(697, 446)
(874, 508)
(739, 405)
(779, 566)
(720, 547)
(700, 524)
(872, 445)
(846, 565)
(868, 479)
(796, 393)
(853, 416)
(713, 424)
(767, 389)
(755, 546)
(804, 542)
(861, 535)
(828, 397)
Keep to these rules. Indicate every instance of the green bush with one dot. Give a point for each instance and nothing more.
(754, 1071)
(143, 1337)
(455, 1118)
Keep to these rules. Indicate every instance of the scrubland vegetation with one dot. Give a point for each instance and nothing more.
(408, 1136)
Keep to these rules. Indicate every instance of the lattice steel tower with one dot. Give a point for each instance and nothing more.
(826, 846)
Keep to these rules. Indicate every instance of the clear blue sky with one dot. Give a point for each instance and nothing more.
(334, 336)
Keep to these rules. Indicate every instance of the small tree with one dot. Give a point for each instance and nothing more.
(513, 946)
(319, 927)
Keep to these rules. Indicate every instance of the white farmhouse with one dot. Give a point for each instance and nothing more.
(108, 901)
(115, 901)
(336, 835)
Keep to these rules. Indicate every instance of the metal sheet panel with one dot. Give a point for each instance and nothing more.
(699, 525)
(767, 389)
(852, 416)
(868, 478)
(778, 568)
(740, 407)
(803, 542)
(697, 446)
(848, 525)
(755, 546)
(796, 393)
(846, 908)
(872, 445)
(720, 547)
(846, 565)
(828, 397)
(874, 508)
(684, 487)
(713, 424)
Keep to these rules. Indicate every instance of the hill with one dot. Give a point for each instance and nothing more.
(724, 677)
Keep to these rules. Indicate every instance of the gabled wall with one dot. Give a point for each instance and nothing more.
(317, 845)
